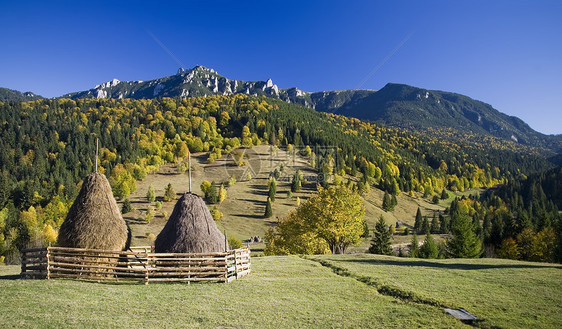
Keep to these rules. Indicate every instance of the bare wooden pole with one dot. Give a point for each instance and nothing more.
(189, 169)
(97, 142)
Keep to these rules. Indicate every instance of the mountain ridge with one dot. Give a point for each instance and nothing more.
(17, 96)
(398, 105)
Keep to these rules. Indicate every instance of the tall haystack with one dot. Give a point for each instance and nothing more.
(94, 220)
(190, 229)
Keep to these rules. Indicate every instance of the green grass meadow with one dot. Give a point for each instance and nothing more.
(294, 292)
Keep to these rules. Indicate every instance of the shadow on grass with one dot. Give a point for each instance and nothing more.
(452, 266)
(255, 202)
(248, 216)
(10, 277)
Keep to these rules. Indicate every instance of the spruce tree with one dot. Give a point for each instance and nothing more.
(268, 210)
(444, 194)
(414, 246)
(386, 202)
(425, 225)
(393, 202)
(418, 222)
(272, 189)
(169, 193)
(381, 239)
(444, 228)
(150, 194)
(213, 197)
(429, 248)
(126, 207)
(434, 225)
(464, 243)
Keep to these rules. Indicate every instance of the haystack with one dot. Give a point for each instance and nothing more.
(94, 220)
(190, 229)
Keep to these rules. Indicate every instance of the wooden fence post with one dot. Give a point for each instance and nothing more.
(23, 264)
(48, 262)
(146, 268)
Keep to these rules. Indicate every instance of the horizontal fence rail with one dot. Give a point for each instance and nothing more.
(141, 264)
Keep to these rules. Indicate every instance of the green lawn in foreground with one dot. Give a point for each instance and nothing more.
(505, 293)
(282, 292)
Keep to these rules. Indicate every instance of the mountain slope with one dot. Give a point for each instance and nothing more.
(414, 108)
(202, 81)
(395, 105)
(17, 96)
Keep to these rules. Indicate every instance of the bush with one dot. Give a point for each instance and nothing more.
(216, 214)
(126, 207)
(234, 243)
(150, 194)
(158, 205)
(149, 214)
(169, 193)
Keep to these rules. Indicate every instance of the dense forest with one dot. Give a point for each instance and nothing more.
(48, 146)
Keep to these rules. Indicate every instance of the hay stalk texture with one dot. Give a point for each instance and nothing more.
(94, 220)
(190, 229)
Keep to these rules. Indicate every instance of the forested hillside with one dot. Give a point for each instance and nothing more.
(17, 96)
(48, 146)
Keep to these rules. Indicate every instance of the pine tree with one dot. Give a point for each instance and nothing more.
(386, 202)
(464, 243)
(366, 233)
(150, 194)
(381, 239)
(414, 246)
(425, 225)
(213, 197)
(418, 222)
(268, 210)
(272, 189)
(126, 207)
(429, 248)
(444, 228)
(444, 194)
(169, 193)
(434, 225)
(393, 202)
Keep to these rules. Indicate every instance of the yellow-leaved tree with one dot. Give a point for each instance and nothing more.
(330, 221)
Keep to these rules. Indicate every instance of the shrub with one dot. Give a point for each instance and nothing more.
(234, 243)
(216, 214)
(126, 207)
(150, 194)
(169, 193)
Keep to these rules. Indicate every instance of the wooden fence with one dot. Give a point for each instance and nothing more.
(141, 264)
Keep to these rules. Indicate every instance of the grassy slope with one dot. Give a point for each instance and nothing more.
(244, 207)
(282, 292)
(294, 292)
(505, 293)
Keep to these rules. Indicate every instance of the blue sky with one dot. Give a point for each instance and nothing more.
(505, 53)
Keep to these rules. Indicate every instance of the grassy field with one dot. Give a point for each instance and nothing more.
(245, 204)
(293, 292)
(504, 293)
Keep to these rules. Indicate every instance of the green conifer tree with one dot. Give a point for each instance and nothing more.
(268, 210)
(381, 239)
(429, 248)
(414, 246)
(464, 243)
(419, 221)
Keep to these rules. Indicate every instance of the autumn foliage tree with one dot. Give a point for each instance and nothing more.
(334, 216)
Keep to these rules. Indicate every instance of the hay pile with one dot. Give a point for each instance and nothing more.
(94, 220)
(190, 229)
